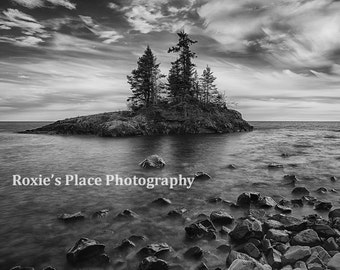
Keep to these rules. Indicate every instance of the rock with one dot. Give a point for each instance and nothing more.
(259, 214)
(300, 265)
(285, 155)
(283, 209)
(194, 253)
(86, 249)
(161, 202)
(247, 198)
(153, 263)
(232, 166)
(278, 235)
(272, 224)
(71, 217)
(240, 264)
(319, 253)
(125, 245)
(315, 266)
(324, 230)
(309, 199)
(153, 161)
(252, 250)
(101, 213)
(275, 165)
(234, 255)
(274, 258)
(322, 190)
(296, 253)
(266, 244)
(49, 268)
(221, 217)
(137, 238)
(307, 237)
(127, 214)
(214, 199)
(334, 262)
(201, 176)
(246, 229)
(291, 179)
(266, 202)
(330, 244)
(290, 223)
(333, 179)
(287, 267)
(323, 206)
(177, 213)
(281, 247)
(154, 250)
(300, 191)
(335, 213)
(202, 229)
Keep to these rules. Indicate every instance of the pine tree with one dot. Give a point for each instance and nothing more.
(184, 67)
(145, 81)
(210, 92)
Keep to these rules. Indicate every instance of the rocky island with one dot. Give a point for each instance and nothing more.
(183, 104)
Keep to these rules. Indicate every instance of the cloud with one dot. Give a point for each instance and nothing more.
(288, 33)
(42, 3)
(108, 35)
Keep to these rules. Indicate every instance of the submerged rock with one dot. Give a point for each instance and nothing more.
(86, 250)
(127, 214)
(325, 206)
(201, 176)
(153, 263)
(22, 268)
(291, 179)
(300, 191)
(177, 213)
(161, 202)
(333, 179)
(194, 253)
(153, 161)
(155, 250)
(101, 213)
(125, 245)
(71, 217)
(275, 165)
(201, 229)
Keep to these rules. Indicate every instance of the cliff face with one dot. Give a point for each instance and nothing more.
(155, 122)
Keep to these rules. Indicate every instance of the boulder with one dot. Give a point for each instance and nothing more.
(125, 245)
(153, 263)
(234, 255)
(290, 223)
(202, 229)
(194, 253)
(333, 179)
(71, 217)
(307, 237)
(137, 238)
(322, 190)
(201, 176)
(240, 264)
(177, 213)
(246, 229)
(221, 217)
(161, 202)
(334, 262)
(278, 235)
(153, 161)
(296, 253)
(86, 249)
(323, 206)
(272, 224)
(300, 191)
(319, 253)
(154, 250)
(266, 202)
(300, 265)
(291, 179)
(330, 244)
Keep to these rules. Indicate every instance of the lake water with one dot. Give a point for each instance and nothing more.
(32, 236)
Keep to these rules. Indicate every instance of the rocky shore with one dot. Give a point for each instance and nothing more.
(268, 236)
(152, 122)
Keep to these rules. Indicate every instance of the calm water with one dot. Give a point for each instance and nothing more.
(32, 236)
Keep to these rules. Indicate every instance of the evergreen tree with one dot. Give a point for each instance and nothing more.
(184, 67)
(210, 93)
(145, 81)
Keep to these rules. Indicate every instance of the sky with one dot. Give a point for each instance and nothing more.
(273, 59)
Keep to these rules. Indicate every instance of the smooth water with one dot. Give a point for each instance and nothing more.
(32, 236)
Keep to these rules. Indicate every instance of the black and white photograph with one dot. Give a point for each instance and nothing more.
(169, 134)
